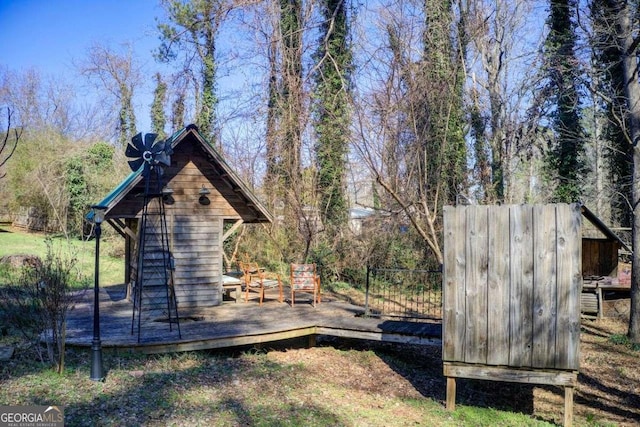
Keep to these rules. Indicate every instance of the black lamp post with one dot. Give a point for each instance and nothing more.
(97, 372)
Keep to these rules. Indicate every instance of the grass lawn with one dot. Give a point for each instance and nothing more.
(293, 386)
(338, 383)
(14, 241)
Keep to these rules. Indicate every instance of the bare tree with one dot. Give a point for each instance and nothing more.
(119, 75)
(9, 142)
(408, 121)
(290, 185)
(190, 35)
(499, 87)
(49, 103)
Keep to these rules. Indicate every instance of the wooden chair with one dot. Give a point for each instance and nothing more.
(305, 279)
(257, 279)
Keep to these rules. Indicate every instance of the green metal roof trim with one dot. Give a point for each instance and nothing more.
(133, 178)
(109, 198)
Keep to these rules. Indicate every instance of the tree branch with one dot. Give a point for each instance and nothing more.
(16, 136)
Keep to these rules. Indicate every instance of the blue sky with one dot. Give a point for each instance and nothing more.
(50, 34)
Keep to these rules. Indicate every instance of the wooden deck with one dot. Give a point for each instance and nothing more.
(231, 324)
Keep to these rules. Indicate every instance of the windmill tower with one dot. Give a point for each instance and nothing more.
(153, 291)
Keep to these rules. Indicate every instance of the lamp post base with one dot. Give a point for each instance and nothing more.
(97, 372)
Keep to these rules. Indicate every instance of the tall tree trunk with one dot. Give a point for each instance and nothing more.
(291, 31)
(565, 156)
(332, 114)
(273, 104)
(158, 117)
(632, 92)
(438, 109)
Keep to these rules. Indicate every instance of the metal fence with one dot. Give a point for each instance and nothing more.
(408, 294)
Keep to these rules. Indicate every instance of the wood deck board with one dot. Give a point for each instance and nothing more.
(231, 324)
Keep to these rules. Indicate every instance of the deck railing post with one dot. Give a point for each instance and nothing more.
(366, 293)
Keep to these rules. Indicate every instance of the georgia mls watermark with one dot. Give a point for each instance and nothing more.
(31, 416)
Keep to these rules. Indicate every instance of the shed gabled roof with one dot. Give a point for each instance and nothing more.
(252, 209)
(597, 222)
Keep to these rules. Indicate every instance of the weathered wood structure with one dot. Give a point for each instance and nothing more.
(607, 280)
(205, 202)
(600, 247)
(512, 281)
(218, 327)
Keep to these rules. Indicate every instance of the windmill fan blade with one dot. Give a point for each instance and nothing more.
(137, 142)
(163, 157)
(132, 151)
(157, 147)
(148, 140)
(135, 164)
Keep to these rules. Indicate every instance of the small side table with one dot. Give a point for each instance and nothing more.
(229, 284)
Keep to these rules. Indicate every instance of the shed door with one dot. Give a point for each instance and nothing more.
(196, 247)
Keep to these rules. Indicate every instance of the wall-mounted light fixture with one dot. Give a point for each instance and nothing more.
(167, 191)
(204, 192)
(167, 195)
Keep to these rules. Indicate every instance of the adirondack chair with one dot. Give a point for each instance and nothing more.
(257, 279)
(305, 279)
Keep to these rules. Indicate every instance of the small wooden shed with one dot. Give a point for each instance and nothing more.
(606, 280)
(600, 247)
(197, 223)
(511, 295)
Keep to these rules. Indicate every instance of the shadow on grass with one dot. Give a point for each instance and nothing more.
(196, 389)
(616, 401)
(422, 366)
(591, 328)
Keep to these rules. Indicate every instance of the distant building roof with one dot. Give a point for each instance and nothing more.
(361, 213)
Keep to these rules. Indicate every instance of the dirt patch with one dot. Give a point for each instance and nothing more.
(609, 380)
(21, 260)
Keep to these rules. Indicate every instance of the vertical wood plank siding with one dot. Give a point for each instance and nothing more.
(453, 319)
(569, 287)
(520, 283)
(544, 285)
(498, 294)
(196, 231)
(512, 278)
(476, 284)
